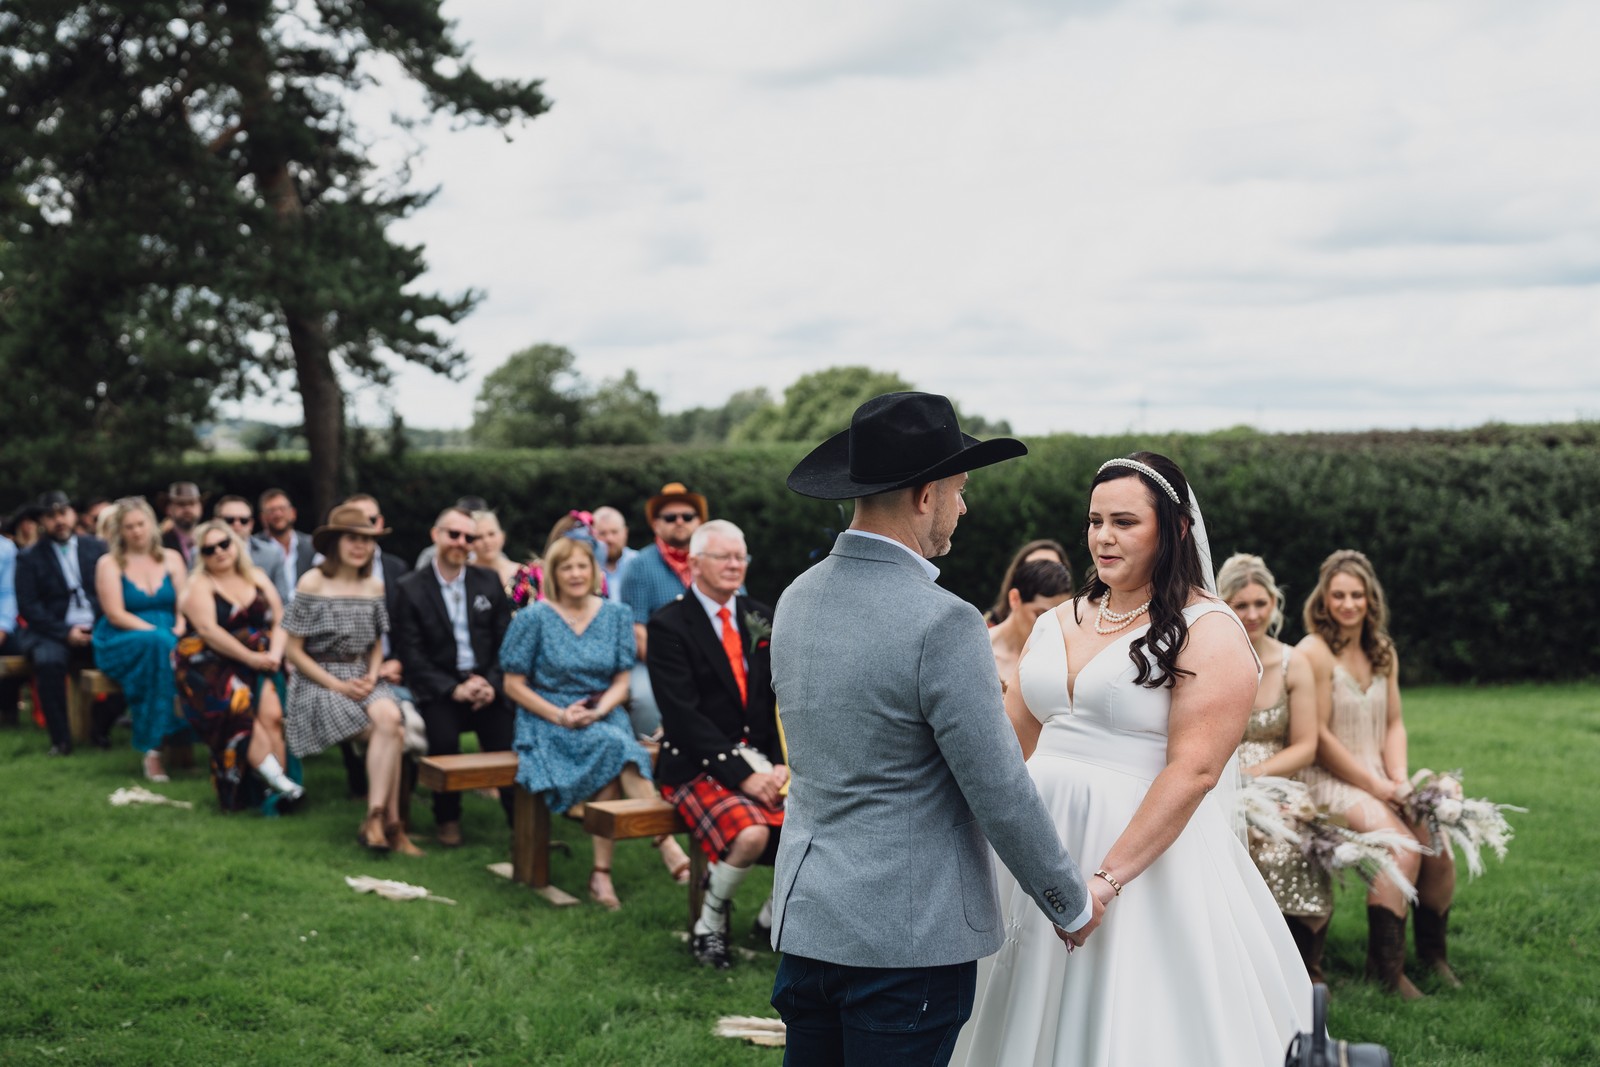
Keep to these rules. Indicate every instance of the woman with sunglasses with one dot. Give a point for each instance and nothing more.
(336, 624)
(230, 670)
(139, 583)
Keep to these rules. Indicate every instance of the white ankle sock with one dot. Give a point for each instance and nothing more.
(272, 771)
(725, 879)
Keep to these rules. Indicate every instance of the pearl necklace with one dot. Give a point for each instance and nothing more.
(1120, 621)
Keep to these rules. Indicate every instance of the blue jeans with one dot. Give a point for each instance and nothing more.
(871, 1016)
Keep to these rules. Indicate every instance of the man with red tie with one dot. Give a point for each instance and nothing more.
(721, 763)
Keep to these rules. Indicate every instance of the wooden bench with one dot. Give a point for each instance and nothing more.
(82, 692)
(530, 817)
(620, 820)
(15, 667)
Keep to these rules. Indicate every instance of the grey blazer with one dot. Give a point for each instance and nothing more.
(903, 762)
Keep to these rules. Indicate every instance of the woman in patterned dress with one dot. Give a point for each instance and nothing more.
(230, 669)
(139, 583)
(567, 661)
(1279, 740)
(1361, 770)
(335, 625)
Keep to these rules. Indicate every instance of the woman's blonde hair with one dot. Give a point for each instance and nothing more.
(1375, 641)
(243, 565)
(561, 549)
(110, 524)
(1243, 569)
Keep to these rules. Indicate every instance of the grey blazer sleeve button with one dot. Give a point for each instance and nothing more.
(1059, 908)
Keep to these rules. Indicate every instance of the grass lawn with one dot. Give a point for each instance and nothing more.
(157, 935)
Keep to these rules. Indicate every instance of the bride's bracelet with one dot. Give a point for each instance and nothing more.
(1116, 886)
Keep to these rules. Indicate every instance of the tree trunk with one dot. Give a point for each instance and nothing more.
(323, 403)
(321, 397)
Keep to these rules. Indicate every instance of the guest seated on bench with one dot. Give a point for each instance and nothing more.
(230, 669)
(138, 583)
(721, 764)
(335, 625)
(567, 660)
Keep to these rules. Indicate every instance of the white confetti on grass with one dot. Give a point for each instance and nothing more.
(391, 890)
(138, 794)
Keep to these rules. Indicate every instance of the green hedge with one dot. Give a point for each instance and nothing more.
(1486, 539)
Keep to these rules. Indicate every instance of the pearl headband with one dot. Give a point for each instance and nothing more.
(1147, 471)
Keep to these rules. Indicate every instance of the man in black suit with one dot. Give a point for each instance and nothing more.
(721, 763)
(449, 624)
(56, 596)
(182, 507)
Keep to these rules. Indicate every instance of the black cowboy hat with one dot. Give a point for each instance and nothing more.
(896, 441)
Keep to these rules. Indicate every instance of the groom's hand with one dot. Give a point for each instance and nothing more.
(1097, 911)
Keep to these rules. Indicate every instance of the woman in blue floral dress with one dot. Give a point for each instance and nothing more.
(567, 660)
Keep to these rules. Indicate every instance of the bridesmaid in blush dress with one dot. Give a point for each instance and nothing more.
(1361, 770)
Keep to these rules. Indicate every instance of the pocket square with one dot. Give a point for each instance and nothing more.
(480, 603)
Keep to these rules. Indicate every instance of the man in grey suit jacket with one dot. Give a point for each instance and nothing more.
(902, 760)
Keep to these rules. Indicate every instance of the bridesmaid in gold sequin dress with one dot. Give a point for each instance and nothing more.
(1361, 770)
(1279, 740)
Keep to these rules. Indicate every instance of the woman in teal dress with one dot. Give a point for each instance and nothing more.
(567, 660)
(139, 583)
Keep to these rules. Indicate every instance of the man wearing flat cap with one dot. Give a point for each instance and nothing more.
(657, 575)
(902, 762)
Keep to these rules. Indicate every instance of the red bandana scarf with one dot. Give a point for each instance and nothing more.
(676, 558)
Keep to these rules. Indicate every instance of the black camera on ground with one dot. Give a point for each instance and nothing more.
(1317, 1049)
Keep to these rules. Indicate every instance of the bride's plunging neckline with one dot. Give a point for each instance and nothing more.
(1066, 654)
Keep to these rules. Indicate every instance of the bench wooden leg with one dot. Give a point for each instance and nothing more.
(697, 883)
(80, 710)
(530, 848)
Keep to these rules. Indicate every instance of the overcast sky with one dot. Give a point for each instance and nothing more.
(1084, 217)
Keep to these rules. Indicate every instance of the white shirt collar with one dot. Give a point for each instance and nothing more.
(459, 582)
(714, 609)
(928, 568)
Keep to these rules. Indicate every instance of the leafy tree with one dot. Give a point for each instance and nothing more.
(711, 426)
(187, 209)
(621, 412)
(818, 404)
(535, 399)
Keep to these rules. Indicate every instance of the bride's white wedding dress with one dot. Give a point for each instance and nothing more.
(1193, 963)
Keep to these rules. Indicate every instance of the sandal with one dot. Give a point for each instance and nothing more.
(395, 834)
(605, 896)
(677, 863)
(153, 770)
(381, 845)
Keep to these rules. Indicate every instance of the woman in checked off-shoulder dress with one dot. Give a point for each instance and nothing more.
(335, 623)
(1129, 701)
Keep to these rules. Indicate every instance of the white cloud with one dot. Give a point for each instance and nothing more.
(1154, 215)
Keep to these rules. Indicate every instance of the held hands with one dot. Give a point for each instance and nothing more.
(475, 691)
(359, 689)
(577, 715)
(391, 671)
(1100, 895)
(763, 787)
(79, 636)
(265, 662)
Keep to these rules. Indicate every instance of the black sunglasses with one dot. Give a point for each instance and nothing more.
(678, 516)
(236, 520)
(214, 547)
(457, 535)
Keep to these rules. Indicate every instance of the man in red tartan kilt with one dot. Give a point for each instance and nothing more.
(721, 763)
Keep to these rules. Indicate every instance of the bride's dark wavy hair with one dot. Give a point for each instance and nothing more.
(1176, 576)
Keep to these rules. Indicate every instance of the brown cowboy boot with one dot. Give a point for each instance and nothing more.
(1310, 943)
(1386, 952)
(1433, 943)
